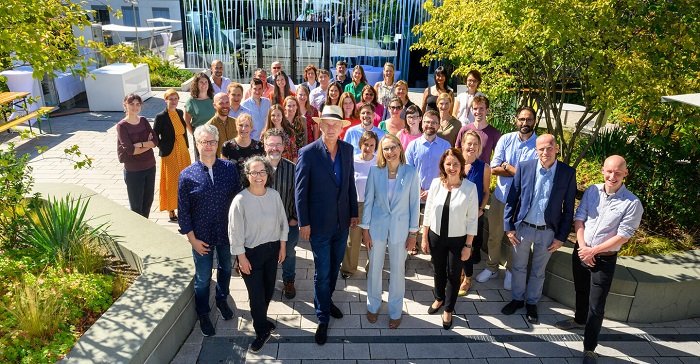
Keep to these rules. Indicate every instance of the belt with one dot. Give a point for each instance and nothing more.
(538, 227)
(606, 254)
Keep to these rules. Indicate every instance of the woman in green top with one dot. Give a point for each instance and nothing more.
(359, 81)
(199, 108)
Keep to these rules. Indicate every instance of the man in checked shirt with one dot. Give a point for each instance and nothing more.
(607, 217)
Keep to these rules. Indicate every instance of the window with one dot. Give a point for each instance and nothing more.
(161, 13)
(101, 14)
(128, 16)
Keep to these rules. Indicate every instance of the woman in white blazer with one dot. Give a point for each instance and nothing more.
(449, 226)
(389, 220)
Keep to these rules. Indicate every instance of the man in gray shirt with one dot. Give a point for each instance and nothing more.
(283, 182)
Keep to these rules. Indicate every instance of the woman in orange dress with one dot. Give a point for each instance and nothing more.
(171, 131)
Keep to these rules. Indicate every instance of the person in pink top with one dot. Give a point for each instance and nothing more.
(413, 129)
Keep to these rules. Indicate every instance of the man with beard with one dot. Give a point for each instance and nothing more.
(225, 124)
(538, 216)
(283, 182)
(424, 153)
(511, 149)
(353, 134)
(218, 81)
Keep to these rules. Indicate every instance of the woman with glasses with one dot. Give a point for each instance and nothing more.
(171, 131)
(369, 96)
(449, 226)
(199, 108)
(242, 147)
(463, 102)
(430, 95)
(135, 142)
(395, 123)
(414, 126)
(389, 221)
(258, 235)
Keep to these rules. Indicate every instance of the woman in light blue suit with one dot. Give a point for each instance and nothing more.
(389, 220)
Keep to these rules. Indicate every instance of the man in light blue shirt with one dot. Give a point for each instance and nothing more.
(511, 149)
(537, 216)
(258, 107)
(235, 95)
(353, 134)
(425, 152)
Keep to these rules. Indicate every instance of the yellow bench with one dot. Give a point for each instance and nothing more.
(41, 112)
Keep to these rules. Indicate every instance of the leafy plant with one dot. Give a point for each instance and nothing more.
(610, 141)
(15, 184)
(60, 225)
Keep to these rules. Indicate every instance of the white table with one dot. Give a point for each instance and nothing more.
(106, 91)
(21, 79)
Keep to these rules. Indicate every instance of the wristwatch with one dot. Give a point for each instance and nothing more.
(468, 246)
(504, 165)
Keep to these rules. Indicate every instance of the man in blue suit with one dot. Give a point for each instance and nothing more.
(539, 213)
(326, 202)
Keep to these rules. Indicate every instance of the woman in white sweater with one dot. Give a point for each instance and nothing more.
(257, 232)
(449, 226)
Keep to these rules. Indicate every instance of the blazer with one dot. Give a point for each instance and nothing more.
(320, 202)
(166, 133)
(391, 220)
(559, 214)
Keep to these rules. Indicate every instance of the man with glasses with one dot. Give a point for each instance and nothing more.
(276, 68)
(353, 134)
(424, 153)
(283, 183)
(267, 88)
(511, 149)
(327, 208)
(205, 191)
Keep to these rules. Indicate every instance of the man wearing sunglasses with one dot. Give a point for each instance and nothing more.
(511, 149)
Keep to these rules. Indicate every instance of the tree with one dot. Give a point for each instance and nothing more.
(619, 55)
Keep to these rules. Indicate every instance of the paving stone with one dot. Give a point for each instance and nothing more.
(388, 351)
(310, 351)
(537, 349)
(687, 348)
(497, 321)
(356, 351)
(488, 350)
(433, 350)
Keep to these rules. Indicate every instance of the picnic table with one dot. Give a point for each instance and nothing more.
(19, 99)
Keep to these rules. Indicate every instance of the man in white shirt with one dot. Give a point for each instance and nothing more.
(317, 97)
(218, 81)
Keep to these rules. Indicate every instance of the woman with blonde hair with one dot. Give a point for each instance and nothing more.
(242, 147)
(385, 88)
(389, 221)
(171, 131)
(449, 125)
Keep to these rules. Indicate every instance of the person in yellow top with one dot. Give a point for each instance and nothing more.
(171, 131)
(225, 124)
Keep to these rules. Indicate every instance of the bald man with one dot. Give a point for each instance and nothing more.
(225, 124)
(608, 216)
(275, 68)
(218, 81)
(538, 215)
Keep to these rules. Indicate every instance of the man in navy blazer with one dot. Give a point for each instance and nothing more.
(539, 213)
(326, 202)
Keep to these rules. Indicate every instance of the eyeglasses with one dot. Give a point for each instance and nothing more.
(413, 117)
(276, 68)
(208, 143)
(390, 148)
(526, 119)
(395, 107)
(431, 122)
(261, 173)
(274, 145)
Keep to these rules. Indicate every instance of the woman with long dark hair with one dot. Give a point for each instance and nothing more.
(282, 89)
(430, 95)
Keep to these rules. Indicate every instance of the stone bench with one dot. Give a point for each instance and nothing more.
(152, 319)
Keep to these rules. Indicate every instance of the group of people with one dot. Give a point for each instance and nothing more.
(284, 161)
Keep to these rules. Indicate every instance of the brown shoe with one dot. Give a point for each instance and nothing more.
(372, 317)
(394, 324)
(289, 291)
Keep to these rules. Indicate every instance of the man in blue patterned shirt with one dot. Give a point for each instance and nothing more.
(607, 217)
(205, 192)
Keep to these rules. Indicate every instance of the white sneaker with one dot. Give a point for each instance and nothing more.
(486, 275)
(508, 281)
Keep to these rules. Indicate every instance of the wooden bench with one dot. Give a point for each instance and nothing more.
(41, 112)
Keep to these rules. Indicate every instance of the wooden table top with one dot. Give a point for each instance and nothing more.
(8, 97)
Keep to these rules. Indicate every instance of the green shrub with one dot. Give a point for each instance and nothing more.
(610, 141)
(15, 184)
(502, 117)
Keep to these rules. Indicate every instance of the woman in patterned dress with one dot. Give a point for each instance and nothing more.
(298, 123)
(276, 119)
(171, 131)
(242, 147)
(308, 112)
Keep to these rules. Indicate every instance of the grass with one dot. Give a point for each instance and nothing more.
(37, 311)
(645, 243)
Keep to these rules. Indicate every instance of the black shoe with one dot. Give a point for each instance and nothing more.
(447, 324)
(272, 326)
(224, 309)
(335, 312)
(289, 291)
(432, 311)
(206, 325)
(531, 314)
(590, 357)
(321, 334)
(511, 307)
(345, 275)
(259, 342)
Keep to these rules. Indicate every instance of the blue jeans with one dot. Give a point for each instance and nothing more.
(203, 265)
(290, 261)
(328, 253)
(140, 186)
(539, 240)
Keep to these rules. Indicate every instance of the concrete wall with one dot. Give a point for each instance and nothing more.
(152, 319)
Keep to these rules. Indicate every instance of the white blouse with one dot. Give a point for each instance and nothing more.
(464, 208)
